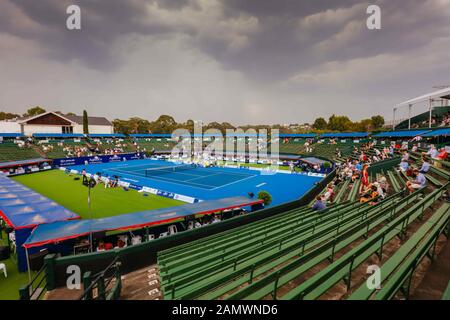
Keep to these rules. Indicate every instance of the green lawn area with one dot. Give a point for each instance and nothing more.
(70, 193)
(63, 189)
(9, 287)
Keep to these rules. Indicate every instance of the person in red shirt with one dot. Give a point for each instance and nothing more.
(364, 178)
(443, 155)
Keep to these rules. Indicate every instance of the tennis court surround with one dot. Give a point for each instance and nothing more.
(187, 175)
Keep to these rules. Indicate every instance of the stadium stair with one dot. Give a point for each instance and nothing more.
(312, 241)
(399, 268)
(132, 288)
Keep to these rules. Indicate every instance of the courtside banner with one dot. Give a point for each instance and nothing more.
(65, 162)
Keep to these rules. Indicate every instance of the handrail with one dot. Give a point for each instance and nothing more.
(27, 292)
(102, 281)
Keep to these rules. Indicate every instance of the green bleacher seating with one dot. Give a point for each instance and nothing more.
(241, 259)
(10, 151)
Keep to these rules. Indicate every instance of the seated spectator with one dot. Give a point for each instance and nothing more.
(432, 152)
(405, 155)
(404, 165)
(370, 194)
(319, 204)
(384, 185)
(443, 155)
(419, 182)
(329, 194)
(425, 165)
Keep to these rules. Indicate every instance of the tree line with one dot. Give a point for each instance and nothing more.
(167, 124)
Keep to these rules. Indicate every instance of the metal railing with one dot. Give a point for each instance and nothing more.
(105, 285)
(36, 288)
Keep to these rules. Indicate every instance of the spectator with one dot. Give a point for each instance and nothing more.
(425, 165)
(404, 165)
(419, 182)
(319, 204)
(443, 155)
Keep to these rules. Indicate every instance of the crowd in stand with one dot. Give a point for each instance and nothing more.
(354, 168)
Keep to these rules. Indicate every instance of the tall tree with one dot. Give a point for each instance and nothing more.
(320, 124)
(339, 123)
(7, 115)
(377, 121)
(34, 111)
(85, 122)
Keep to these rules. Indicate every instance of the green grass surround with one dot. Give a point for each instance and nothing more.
(70, 193)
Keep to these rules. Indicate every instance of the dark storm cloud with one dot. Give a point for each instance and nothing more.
(273, 52)
(277, 53)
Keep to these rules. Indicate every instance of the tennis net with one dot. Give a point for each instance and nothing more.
(169, 169)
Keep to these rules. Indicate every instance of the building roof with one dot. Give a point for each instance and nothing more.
(443, 93)
(93, 121)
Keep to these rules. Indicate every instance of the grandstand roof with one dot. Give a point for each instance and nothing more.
(11, 135)
(443, 93)
(21, 207)
(297, 135)
(64, 230)
(58, 135)
(345, 135)
(401, 134)
(437, 133)
(106, 135)
(150, 135)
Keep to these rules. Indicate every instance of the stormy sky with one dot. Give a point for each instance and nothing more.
(241, 61)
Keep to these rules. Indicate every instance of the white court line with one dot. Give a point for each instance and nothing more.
(260, 185)
(177, 183)
(180, 183)
(228, 184)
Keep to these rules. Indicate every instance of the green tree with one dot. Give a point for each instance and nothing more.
(7, 115)
(164, 124)
(85, 122)
(265, 196)
(34, 111)
(339, 123)
(320, 124)
(377, 121)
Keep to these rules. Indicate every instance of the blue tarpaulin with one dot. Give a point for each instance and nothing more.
(298, 135)
(12, 135)
(438, 133)
(58, 135)
(401, 134)
(106, 135)
(22, 207)
(151, 135)
(65, 230)
(345, 135)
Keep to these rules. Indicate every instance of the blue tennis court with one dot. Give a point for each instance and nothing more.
(187, 175)
(205, 183)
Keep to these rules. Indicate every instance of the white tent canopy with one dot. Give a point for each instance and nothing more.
(443, 93)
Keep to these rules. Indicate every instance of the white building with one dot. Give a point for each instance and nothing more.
(52, 122)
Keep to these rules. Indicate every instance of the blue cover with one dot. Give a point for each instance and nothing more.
(437, 133)
(58, 135)
(345, 135)
(106, 135)
(64, 230)
(150, 135)
(401, 134)
(298, 135)
(22, 207)
(12, 135)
